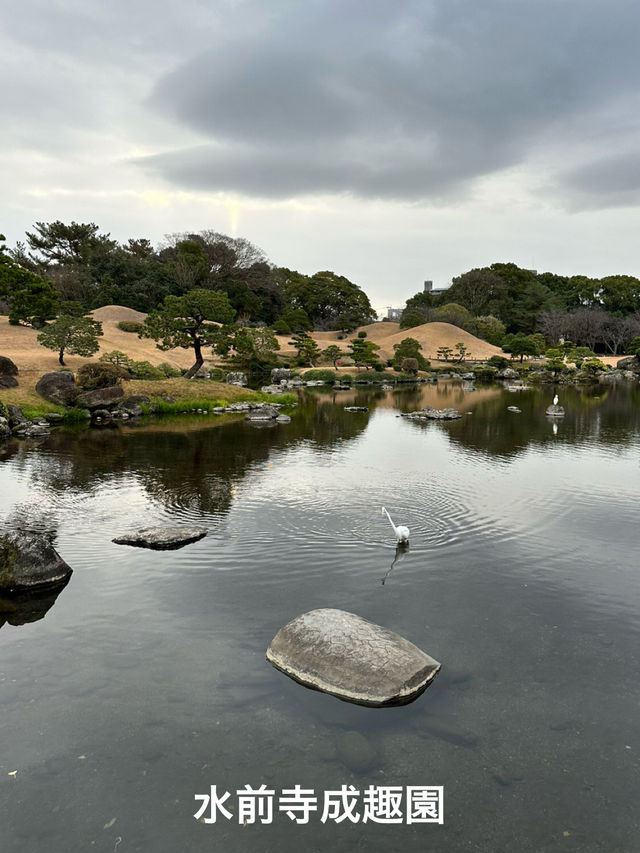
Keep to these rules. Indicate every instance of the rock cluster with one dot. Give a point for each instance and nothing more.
(236, 378)
(14, 423)
(431, 414)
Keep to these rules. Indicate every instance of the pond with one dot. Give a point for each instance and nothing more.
(145, 682)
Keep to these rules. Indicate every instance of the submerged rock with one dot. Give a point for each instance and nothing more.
(349, 657)
(162, 538)
(514, 409)
(28, 561)
(356, 752)
(356, 409)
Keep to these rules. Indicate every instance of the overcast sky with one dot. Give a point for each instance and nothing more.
(389, 140)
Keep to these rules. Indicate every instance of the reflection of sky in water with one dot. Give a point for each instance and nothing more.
(521, 578)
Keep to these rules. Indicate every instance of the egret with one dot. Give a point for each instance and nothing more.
(555, 400)
(402, 532)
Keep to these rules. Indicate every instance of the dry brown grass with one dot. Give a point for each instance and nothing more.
(186, 389)
(431, 336)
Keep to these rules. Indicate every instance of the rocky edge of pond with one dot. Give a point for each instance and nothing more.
(342, 654)
(162, 538)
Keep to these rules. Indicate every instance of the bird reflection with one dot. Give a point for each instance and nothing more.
(555, 428)
(402, 548)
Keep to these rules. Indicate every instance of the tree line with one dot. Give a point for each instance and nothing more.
(503, 300)
(60, 263)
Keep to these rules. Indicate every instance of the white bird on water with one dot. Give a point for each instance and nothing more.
(555, 400)
(402, 532)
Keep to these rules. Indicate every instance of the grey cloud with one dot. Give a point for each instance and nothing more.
(402, 100)
(612, 181)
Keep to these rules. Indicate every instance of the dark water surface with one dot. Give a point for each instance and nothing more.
(145, 683)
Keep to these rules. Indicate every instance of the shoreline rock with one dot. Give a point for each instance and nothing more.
(58, 387)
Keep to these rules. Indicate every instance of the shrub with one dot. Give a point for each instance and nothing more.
(99, 374)
(145, 370)
(362, 334)
(554, 359)
(170, 371)
(498, 361)
(409, 365)
(319, 375)
(485, 373)
(281, 327)
(410, 319)
(129, 326)
(378, 367)
(409, 348)
(592, 364)
(578, 355)
(633, 347)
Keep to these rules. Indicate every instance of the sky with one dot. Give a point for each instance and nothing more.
(390, 142)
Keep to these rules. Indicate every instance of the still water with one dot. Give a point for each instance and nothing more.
(145, 682)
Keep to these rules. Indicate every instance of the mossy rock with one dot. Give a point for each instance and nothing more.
(28, 561)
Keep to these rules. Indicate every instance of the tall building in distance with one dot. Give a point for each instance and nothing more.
(434, 291)
(395, 314)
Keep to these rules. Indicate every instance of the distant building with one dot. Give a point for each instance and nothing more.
(394, 314)
(434, 291)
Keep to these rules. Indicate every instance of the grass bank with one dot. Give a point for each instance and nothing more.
(186, 394)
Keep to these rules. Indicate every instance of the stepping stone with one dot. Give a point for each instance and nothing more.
(162, 538)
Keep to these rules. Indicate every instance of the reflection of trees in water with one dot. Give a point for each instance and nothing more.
(611, 414)
(194, 469)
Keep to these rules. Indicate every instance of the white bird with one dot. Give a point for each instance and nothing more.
(555, 400)
(402, 532)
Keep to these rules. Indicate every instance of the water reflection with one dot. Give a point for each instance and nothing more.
(21, 608)
(147, 683)
(402, 549)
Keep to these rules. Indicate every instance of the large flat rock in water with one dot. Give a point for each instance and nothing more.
(162, 538)
(351, 658)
